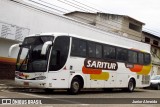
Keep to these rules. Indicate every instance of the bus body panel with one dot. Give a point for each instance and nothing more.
(118, 74)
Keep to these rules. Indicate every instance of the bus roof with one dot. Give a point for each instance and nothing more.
(115, 40)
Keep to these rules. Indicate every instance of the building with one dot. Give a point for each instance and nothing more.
(18, 19)
(120, 24)
(155, 50)
(123, 26)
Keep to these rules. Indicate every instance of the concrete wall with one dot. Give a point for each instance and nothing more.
(155, 56)
(111, 23)
(82, 17)
(39, 20)
(132, 34)
(117, 24)
(7, 70)
(4, 47)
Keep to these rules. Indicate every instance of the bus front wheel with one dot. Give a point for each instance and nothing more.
(75, 86)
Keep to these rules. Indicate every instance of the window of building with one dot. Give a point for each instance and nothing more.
(154, 51)
(109, 52)
(134, 27)
(147, 40)
(155, 42)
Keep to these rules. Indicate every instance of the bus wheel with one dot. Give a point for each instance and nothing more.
(131, 85)
(75, 86)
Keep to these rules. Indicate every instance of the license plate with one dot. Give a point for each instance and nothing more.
(26, 83)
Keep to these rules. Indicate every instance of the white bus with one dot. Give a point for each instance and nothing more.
(63, 61)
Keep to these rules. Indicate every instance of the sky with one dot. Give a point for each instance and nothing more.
(146, 11)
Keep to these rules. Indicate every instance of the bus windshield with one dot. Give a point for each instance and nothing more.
(30, 58)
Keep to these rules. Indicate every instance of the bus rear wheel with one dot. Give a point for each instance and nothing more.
(131, 85)
(75, 86)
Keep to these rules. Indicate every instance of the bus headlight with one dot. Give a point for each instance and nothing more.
(40, 78)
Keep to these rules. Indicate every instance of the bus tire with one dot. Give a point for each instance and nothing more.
(131, 85)
(75, 86)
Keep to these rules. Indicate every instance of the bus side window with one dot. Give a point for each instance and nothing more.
(55, 57)
(59, 53)
(79, 47)
(83, 48)
(147, 58)
(121, 54)
(132, 57)
(140, 58)
(91, 49)
(75, 47)
(109, 52)
(98, 51)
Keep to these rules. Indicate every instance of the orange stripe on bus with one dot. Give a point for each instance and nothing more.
(136, 68)
(91, 71)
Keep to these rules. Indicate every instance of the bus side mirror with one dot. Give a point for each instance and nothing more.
(11, 48)
(45, 46)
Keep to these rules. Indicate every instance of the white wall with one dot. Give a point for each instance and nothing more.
(38, 21)
(4, 47)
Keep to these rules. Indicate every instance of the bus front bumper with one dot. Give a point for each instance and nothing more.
(31, 83)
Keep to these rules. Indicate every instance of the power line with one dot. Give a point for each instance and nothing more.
(47, 6)
(116, 21)
(83, 4)
(54, 5)
(87, 6)
(93, 8)
(79, 5)
(89, 20)
(71, 4)
(88, 17)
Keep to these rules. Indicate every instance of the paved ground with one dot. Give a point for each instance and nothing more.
(6, 84)
(89, 98)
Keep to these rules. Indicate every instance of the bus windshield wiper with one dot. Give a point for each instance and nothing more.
(25, 59)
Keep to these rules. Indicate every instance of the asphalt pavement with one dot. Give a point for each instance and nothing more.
(9, 84)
